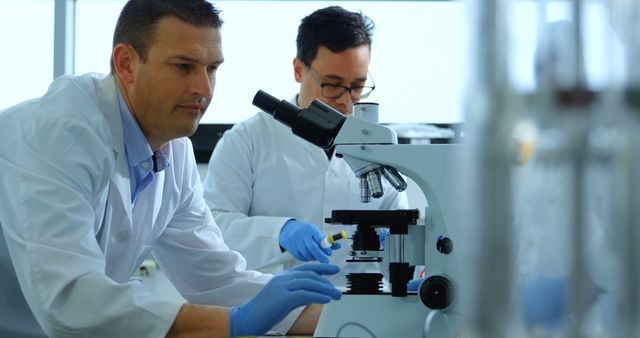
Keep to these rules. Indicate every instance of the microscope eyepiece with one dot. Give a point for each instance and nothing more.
(265, 101)
(318, 123)
(281, 110)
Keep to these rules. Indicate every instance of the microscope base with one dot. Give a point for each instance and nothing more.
(382, 316)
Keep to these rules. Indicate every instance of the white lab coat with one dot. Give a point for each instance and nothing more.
(69, 239)
(261, 175)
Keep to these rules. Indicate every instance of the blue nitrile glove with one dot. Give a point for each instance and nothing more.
(286, 291)
(382, 234)
(302, 240)
(414, 284)
(544, 301)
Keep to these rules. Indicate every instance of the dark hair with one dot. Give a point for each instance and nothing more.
(138, 20)
(332, 27)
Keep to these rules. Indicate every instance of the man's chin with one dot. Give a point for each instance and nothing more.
(188, 130)
(193, 129)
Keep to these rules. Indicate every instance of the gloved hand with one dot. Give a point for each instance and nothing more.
(544, 301)
(382, 234)
(286, 291)
(414, 284)
(303, 239)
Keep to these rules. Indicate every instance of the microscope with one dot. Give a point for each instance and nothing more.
(372, 152)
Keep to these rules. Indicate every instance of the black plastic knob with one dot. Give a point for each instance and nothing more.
(436, 292)
(444, 245)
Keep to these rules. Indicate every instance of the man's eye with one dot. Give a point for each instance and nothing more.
(212, 69)
(185, 67)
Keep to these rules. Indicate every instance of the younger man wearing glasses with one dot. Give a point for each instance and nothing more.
(270, 190)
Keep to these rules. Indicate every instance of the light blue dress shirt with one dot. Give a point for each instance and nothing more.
(143, 162)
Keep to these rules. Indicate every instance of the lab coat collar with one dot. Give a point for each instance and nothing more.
(109, 106)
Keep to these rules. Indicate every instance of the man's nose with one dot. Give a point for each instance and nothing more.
(202, 84)
(345, 98)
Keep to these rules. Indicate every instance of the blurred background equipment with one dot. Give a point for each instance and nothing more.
(551, 239)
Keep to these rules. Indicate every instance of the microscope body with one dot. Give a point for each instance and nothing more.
(372, 152)
(434, 307)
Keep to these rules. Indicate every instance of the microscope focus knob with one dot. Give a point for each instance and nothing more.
(444, 245)
(436, 292)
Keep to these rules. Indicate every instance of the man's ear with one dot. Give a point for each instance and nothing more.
(298, 69)
(124, 61)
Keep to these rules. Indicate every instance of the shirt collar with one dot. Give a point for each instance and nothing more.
(135, 143)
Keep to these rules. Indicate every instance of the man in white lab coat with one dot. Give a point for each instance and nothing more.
(270, 190)
(98, 173)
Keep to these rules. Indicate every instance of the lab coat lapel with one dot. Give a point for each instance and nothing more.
(120, 188)
(118, 213)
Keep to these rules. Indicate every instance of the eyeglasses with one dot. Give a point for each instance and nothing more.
(334, 91)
